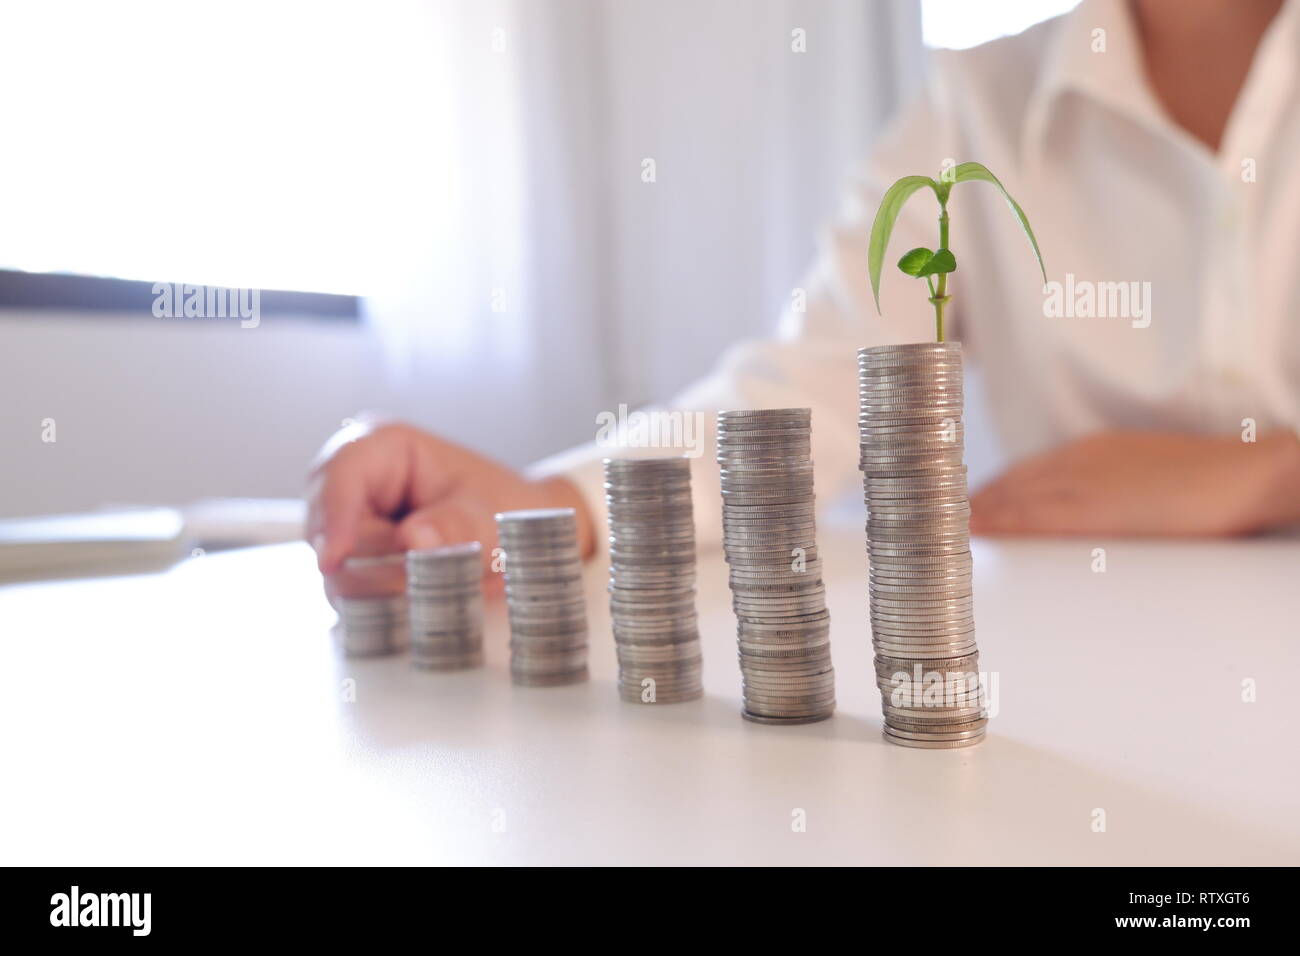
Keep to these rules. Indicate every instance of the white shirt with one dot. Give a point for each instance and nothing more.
(1116, 193)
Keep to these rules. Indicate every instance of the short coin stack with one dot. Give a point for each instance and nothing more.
(377, 624)
(544, 595)
(652, 579)
(918, 541)
(445, 589)
(770, 539)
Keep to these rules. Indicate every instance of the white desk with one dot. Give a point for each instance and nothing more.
(196, 717)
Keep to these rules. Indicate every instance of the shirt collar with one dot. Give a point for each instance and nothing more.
(1094, 51)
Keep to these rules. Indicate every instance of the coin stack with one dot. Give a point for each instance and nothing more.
(544, 596)
(376, 624)
(445, 590)
(770, 540)
(652, 579)
(918, 542)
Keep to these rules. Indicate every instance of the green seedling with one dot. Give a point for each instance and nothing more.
(933, 265)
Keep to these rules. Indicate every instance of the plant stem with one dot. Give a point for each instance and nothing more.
(941, 293)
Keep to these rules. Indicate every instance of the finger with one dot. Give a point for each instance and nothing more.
(457, 520)
(375, 536)
(433, 527)
(1053, 511)
(340, 505)
(1002, 503)
(1005, 518)
(366, 479)
(1006, 506)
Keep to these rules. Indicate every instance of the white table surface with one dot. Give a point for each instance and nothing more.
(197, 716)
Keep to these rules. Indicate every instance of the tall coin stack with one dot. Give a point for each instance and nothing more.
(918, 542)
(445, 590)
(770, 540)
(652, 579)
(376, 624)
(544, 596)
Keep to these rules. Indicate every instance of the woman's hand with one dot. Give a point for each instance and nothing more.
(395, 488)
(1146, 484)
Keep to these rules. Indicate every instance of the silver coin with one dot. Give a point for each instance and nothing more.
(933, 744)
(652, 570)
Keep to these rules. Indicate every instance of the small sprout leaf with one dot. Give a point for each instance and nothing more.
(942, 261)
(914, 260)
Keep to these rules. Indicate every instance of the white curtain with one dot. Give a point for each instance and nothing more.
(437, 156)
(541, 278)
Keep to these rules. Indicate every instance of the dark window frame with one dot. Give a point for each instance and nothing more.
(64, 292)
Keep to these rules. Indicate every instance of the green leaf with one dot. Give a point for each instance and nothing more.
(914, 260)
(883, 225)
(968, 172)
(942, 261)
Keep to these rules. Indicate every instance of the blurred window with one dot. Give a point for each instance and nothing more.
(238, 144)
(957, 24)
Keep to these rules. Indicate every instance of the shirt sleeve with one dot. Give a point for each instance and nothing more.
(812, 360)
